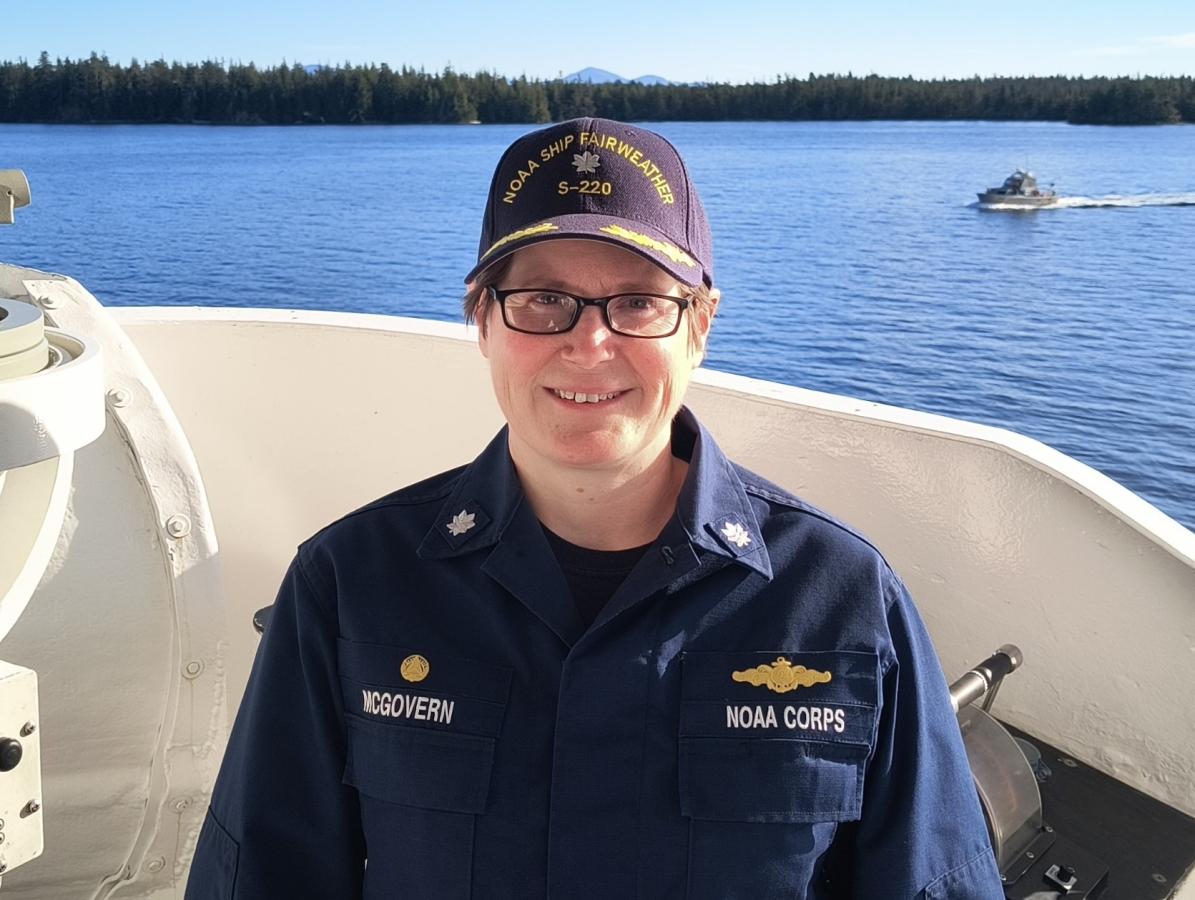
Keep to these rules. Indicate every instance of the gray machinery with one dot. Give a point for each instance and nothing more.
(1035, 863)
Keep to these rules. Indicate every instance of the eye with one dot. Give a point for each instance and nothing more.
(642, 303)
(548, 298)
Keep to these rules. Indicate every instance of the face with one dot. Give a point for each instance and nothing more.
(642, 379)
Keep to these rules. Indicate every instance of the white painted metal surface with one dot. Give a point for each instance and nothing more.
(123, 632)
(50, 406)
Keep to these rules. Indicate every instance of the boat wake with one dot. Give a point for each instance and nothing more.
(1092, 202)
(1136, 200)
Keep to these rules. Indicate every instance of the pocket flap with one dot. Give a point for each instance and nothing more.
(754, 780)
(418, 766)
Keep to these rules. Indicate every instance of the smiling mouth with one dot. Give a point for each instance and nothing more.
(580, 397)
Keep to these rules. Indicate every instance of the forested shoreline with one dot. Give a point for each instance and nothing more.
(95, 90)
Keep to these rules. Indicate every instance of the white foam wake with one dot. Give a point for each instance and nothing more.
(1135, 200)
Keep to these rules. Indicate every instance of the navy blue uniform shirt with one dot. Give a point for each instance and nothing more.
(757, 713)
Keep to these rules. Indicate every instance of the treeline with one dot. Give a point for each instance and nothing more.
(97, 90)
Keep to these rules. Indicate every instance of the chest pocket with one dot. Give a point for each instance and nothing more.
(776, 736)
(772, 754)
(422, 726)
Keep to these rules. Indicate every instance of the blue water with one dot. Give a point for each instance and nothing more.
(852, 256)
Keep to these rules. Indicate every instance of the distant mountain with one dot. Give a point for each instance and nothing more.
(593, 75)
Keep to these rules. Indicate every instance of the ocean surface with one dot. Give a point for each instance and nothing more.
(853, 257)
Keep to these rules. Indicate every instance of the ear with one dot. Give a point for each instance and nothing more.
(702, 320)
(483, 324)
(483, 338)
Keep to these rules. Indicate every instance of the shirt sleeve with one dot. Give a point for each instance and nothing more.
(281, 823)
(922, 833)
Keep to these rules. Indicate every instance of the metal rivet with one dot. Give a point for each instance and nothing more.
(1158, 877)
(1030, 855)
(1069, 763)
(118, 397)
(30, 808)
(193, 669)
(27, 729)
(178, 526)
(181, 804)
(157, 864)
(1049, 830)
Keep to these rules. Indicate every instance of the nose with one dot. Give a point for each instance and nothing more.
(589, 341)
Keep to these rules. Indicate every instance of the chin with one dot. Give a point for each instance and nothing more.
(591, 450)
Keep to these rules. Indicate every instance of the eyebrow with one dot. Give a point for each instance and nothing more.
(551, 284)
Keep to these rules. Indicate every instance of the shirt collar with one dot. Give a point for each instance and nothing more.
(713, 508)
(482, 505)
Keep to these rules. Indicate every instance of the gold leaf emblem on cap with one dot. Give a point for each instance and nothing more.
(414, 668)
(521, 233)
(674, 253)
(781, 676)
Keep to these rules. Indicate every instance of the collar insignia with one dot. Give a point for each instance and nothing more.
(414, 668)
(736, 534)
(781, 676)
(461, 523)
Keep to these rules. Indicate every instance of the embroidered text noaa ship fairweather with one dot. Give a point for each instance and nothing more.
(586, 163)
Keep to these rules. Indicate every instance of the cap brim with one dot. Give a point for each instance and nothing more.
(634, 236)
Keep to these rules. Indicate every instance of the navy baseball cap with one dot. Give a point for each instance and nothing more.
(599, 180)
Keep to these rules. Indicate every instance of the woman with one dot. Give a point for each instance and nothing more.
(601, 660)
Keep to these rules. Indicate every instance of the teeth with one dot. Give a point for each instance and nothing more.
(585, 398)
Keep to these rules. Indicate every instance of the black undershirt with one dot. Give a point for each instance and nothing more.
(593, 575)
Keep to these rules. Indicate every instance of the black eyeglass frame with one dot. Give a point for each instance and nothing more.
(602, 303)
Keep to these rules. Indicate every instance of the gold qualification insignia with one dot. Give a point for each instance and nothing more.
(781, 676)
(414, 668)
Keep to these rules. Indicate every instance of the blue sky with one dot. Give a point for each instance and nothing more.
(729, 40)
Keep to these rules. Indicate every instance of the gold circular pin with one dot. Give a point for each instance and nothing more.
(414, 668)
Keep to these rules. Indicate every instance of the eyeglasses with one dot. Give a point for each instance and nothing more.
(543, 311)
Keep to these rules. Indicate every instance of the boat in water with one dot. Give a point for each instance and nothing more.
(1019, 189)
(158, 466)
